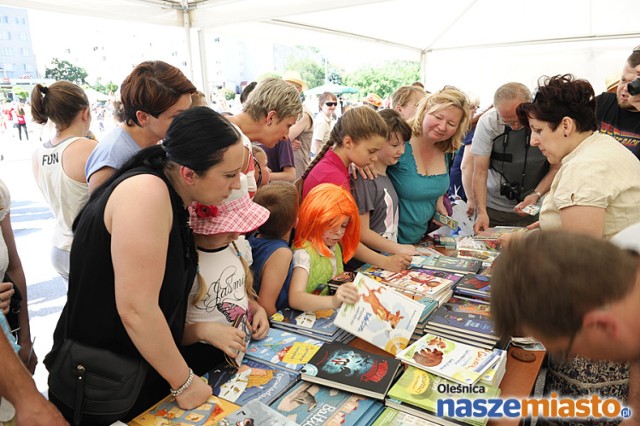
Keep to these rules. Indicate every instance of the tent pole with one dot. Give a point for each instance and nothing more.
(186, 23)
(203, 64)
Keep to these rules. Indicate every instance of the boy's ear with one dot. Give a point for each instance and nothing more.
(601, 322)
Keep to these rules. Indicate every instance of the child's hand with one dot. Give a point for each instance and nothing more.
(407, 249)
(260, 323)
(227, 338)
(397, 262)
(346, 293)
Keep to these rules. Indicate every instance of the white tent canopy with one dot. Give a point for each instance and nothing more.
(475, 44)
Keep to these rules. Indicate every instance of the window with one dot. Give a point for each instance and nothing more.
(7, 51)
(4, 19)
(25, 51)
(5, 35)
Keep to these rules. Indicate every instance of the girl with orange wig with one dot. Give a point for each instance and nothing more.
(327, 234)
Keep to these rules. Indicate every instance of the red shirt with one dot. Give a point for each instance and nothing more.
(330, 169)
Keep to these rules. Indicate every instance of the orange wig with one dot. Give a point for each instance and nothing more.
(324, 207)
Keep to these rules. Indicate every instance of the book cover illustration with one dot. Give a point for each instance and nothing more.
(464, 315)
(422, 389)
(446, 263)
(388, 277)
(252, 380)
(284, 350)
(256, 413)
(313, 404)
(474, 285)
(461, 363)
(319, 321)
(351, 369)
(168, 412)
(381, 316)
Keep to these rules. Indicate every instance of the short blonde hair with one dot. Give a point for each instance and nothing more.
(445, 98)
(273, 94)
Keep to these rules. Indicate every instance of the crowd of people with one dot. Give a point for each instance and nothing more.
(182, 223)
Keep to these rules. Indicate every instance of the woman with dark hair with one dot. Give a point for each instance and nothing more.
(595, 192)
(597, 189)
(133, 260)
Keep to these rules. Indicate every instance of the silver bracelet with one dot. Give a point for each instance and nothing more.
(176, 392)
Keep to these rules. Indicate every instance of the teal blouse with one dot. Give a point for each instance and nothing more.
(417, 196)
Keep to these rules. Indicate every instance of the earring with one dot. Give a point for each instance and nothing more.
(269, 123)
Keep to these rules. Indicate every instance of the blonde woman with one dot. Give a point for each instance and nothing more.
(421, 176)
(405, 100)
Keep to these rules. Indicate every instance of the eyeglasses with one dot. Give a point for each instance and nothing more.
(331, 104)
(257, 172)
(564, 356)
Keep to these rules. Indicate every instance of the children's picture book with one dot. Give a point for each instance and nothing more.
(392, 417)
(447, 221)
(253, 380)
(422, 389)
(319, 322)
(256, 413)
(446, 263)
(288, 351)
(309, 403)
(461, 363)
(381, 316)
(468, 339)
(242, 322)
(464, 316)
(474, 285)
(168, 412)
(351, 369)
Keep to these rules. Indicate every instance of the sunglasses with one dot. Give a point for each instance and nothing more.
(331, 104)
(257, 172)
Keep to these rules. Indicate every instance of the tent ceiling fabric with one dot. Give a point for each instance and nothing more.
(420, 25)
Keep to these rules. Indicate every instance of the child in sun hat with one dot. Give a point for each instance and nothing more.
(222, 302)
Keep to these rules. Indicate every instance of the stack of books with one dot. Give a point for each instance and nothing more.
(318, 325)
(455, 265)
(417, 393)
(256, 413)
(475, 286)
(471, 248)
(416, 282)
(464, 320)
(490, 236)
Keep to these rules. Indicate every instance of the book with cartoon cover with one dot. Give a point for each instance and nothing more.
(167, 412)
(318, 322)
(422, 389)
(253, 380)
(281, 349)
(381, 316)
(464, 316)
(256, 413)
(461, 363)
(351, 369)
(310, 403)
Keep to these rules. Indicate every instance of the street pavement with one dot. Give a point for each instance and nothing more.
(32, 226)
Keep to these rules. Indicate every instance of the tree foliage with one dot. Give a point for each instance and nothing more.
(385, 79)
(65, 70)
(311, 71)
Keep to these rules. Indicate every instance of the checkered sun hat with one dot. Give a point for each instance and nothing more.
(236, 214)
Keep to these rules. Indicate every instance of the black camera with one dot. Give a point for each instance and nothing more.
(511, 190)
(633, 87)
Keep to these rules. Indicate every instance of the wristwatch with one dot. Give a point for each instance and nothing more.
(535, 191)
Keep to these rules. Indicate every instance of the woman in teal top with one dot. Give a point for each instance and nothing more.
(421, 177)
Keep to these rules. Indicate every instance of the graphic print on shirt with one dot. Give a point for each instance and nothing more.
(391, 219)
(226, 295)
